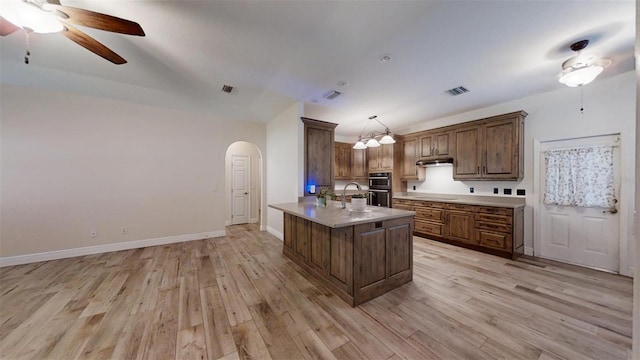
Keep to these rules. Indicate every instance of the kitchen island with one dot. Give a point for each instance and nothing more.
(359, 255)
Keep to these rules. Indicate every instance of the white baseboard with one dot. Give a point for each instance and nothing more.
(263, 227)
(99, 249)
(227, 222)
(253, 221)
(528, 251)
(275, 233)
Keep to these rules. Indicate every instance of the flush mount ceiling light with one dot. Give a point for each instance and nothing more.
(582, 68)
(371, 139)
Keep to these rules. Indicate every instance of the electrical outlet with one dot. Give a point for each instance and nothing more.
(495, 190)
(471, 190)
(124, 231)
(520, 192)
(414, 187)
(93, 233)
(507, 191)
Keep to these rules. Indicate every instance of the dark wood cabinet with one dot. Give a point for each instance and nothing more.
(491, 149)
(491, 229)
(342, 161)
(380, 158)
(358, 263)
(410, 154)
(434, 144)
(319, 158)
(359, 164)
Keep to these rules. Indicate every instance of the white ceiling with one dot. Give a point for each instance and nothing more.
(278, 52)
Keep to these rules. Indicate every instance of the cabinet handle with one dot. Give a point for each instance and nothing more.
(436, 151)
(478, 172)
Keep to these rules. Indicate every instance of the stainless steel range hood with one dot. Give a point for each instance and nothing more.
(434, 161)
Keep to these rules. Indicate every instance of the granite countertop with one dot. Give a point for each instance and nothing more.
(336, 217)
(510, 202)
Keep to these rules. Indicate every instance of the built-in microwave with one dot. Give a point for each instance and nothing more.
(381, 181)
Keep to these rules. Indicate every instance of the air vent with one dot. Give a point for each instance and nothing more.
(227, 88)
(332, 94)
(457, 91)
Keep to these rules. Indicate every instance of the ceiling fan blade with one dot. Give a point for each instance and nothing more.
(98, 21)
(91, 44)
(7, 27)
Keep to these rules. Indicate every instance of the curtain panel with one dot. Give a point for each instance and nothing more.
(580, 177)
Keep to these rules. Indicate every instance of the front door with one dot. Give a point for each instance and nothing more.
(587, 236)
(240, 183)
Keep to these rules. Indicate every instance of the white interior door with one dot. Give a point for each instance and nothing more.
(240, 185)
(587, 236)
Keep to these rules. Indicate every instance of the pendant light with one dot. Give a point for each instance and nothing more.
(371, 139)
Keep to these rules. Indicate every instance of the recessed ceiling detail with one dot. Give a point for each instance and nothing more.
(384, 58)
(457, 91)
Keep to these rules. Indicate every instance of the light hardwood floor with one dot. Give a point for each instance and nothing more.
(238, 297)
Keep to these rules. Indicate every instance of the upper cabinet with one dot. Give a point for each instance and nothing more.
(343, 161)
(359, 164)
(490, 149)
(434, 144)
(319, 159)
(381, 158)
(411, 154)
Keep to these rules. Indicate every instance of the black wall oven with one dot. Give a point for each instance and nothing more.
(380, 189)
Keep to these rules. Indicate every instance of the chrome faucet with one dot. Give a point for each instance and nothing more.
(344, 206)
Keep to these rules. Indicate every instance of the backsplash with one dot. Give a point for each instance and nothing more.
(439, 180)
(341, 183)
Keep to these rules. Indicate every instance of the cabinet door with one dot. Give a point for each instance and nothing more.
(426, 146)
(371, 253)
(343, 161)
(319, 240)
(340, 258)
(359, 165)
(301, 241)
(409, 153)
(289, 232)
(467, 153)
(386, 157)
(441, 144)
(500, 150)
(373, 155)
(460, 226)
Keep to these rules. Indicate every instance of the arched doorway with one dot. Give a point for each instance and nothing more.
(243, 183)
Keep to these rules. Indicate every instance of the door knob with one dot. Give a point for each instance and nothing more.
(611, 211)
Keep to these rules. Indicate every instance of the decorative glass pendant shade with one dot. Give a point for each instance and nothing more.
(359, 145)
(372, 143)
(387, 139)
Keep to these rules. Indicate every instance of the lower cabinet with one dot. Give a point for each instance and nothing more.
(358, 263)
(495, 230)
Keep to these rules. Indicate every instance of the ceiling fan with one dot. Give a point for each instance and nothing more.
(49, 16)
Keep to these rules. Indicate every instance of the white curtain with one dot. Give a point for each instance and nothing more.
(580, 177)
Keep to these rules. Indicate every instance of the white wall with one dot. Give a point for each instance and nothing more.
(609, 105)
(284, 163)
(72, 164)
(250, 150)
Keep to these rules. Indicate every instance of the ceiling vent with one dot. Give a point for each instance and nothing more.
(332, 94)
(457, 91)
(227, 88)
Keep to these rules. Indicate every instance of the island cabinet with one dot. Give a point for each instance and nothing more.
(491, 229)
(357, 262)
(490, 149)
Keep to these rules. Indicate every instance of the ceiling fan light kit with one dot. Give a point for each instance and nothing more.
(50, 16)
(582, 68)
(371, 140)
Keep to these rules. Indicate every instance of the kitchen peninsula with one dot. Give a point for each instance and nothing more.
(358, 255)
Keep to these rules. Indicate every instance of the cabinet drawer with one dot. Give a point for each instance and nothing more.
(463, 207)
(495, 210)
(402, 207)
(501, 219)
(494, 226)
(429, 228)
(430, 204)
(429, 214)
(494, 240)
(402, 202)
